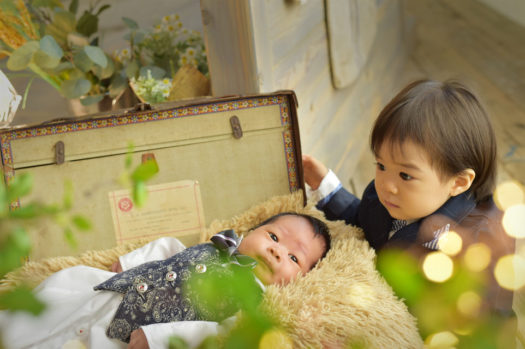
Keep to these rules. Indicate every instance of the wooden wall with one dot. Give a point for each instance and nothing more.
(277, 44)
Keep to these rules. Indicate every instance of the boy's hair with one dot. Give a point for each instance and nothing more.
(449, 122)
(320, 228)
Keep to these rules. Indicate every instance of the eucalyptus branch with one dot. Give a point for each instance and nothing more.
(42, 74)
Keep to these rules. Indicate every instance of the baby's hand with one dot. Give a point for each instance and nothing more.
(314, 171)
(116, 267)
(138, 340)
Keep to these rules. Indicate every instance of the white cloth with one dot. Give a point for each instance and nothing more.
(77, 317)
(328, 184)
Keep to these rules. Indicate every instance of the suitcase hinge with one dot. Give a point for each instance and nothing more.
(60, 152)
(236, 127)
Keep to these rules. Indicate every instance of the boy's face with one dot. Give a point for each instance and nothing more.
(407, 185)
(283, 249)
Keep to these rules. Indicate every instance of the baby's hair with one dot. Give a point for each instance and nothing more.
(449, 122)
(320, 228)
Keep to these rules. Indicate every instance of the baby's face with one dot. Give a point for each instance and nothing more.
(283, 249)
(406, 183)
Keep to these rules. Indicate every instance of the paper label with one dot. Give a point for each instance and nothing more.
(171, 209)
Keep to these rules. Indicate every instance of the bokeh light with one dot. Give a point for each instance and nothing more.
(508, 194)
(477, 257)
(438, 267)
(469, 304)
(450, 243)
(514, 221)
(275, 338)
(510, 272)
(441, 340)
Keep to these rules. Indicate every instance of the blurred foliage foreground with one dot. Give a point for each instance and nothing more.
(446, 290)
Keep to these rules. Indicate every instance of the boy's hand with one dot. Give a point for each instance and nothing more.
(314, 171)
(138, 340)
(116, 267)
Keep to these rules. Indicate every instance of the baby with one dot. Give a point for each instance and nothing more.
(153, 294)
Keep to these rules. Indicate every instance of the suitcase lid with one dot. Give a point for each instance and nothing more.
(241, 149)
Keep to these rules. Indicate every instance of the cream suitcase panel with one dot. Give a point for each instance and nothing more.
(144, 131)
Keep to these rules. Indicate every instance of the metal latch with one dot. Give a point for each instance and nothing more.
(236, 127)
(60, 153)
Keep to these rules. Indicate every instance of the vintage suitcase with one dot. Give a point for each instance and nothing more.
(240, 150)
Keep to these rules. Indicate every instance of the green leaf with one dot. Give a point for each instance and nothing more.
(400, 270)
(81, 222)
(64, 21)
(21, 57)
(20, 186)
(73, 6)
(67, 198)
(13, 250)
(21, 299)
(8, 6)
(104, 73)
(176, 342)
(87, 24)
(140, 193)
(45, 61)
(50, 46)
(128, 161)
(29, 211)
(118, 84)
(130, 23)
(75, 88)
(4, 203)
(138, 37)
(89, 100)
(156, 72)
(47, 3)
(102, 9)
(70, 237)
(50, 53)
(145, 171)
(63, 66)
(96, 55)
(132, 69)
(82, 61)
(19, 239)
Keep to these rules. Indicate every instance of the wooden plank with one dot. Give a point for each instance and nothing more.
(469, 58)
(228, 33)
(262, 46)
(351, 32)
(387, 47)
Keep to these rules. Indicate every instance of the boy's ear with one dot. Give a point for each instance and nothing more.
(462, 181)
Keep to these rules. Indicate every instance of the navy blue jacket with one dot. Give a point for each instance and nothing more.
(370, 215)
(475, 222)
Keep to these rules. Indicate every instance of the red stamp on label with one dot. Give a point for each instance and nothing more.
(125, 204)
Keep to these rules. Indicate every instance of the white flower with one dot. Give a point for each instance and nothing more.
(183, 60)
(190, 52)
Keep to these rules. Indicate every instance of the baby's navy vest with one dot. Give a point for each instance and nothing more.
(159, 291)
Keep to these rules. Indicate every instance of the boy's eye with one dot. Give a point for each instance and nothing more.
(294, 259)
(405, 176)
(380, 166)
(273, 237)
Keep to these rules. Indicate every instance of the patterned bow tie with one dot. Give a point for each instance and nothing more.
(228, 243)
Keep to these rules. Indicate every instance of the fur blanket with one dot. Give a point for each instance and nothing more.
(341, 302)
